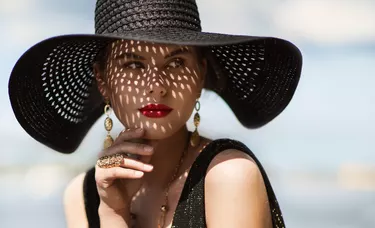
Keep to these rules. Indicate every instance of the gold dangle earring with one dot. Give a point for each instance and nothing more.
(195, 138)
(108, 124)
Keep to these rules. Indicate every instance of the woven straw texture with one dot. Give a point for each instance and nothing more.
(55, 98)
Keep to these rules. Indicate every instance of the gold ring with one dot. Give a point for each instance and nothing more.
(110, 161)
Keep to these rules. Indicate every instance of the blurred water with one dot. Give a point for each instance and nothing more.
(319, 153)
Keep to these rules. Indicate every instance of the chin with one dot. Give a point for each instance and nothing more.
(159, 128)
(158, 133)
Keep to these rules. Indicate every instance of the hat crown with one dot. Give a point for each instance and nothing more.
(116, 16)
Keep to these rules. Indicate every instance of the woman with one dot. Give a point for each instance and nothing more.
(148, 63)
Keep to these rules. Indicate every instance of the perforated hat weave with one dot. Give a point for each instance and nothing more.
(55, 98)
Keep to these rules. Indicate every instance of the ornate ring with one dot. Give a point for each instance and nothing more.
(110, 161)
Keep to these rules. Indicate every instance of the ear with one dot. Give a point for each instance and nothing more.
(101, 83)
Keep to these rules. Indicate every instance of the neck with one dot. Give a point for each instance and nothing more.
(166, 157)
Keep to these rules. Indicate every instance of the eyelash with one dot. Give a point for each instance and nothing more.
(136, 63)
(179, 62)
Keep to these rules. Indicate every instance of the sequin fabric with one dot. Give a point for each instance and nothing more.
(190, 211)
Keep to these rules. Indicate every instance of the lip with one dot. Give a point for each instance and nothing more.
(155, 110)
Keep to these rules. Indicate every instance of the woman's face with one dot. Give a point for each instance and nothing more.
(151, 86)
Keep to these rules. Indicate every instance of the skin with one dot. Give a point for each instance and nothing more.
(140, 73)
(136, 74)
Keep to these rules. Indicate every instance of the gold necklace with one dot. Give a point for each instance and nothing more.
(164, 208)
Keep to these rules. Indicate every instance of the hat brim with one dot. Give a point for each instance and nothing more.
(55, 98)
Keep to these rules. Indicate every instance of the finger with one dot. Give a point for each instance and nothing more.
(104, 176)
(145, 159)
(128, 147)
(136, 165)
(129, 134)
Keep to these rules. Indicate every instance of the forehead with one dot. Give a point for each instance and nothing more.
(132, 46)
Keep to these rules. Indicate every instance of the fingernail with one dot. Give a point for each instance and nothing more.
(149, 167)
(139, 130)
(138, 173)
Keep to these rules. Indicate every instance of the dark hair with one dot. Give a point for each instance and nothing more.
(101, 57)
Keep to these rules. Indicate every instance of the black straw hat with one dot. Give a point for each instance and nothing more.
(53, 92)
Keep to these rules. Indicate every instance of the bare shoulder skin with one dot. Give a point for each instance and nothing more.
(74, 207)
(235, 193)
(134, 77)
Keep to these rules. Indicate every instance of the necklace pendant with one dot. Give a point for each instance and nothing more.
(164, 208)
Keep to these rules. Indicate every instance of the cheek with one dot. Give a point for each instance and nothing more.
(121, 81)
(125, 92)
(184, 80)
(184, 90)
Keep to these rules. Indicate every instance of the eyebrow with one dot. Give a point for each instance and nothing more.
(130, 56)
(178, 52)
(138, 57)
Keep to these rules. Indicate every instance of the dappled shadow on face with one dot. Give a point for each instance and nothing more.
(140, 74)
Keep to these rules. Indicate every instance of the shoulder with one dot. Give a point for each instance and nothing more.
(233, 165)
(235, 193)
(74, 206)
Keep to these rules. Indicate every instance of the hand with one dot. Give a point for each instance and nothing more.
(117, 185)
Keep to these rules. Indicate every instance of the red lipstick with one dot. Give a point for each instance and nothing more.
(155, 110)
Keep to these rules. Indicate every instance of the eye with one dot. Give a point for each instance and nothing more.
(176, 63)
(134, 65)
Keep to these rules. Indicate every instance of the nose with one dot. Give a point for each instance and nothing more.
(157, 89)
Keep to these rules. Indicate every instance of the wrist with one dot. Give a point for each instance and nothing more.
(120, 216)
(105, 210)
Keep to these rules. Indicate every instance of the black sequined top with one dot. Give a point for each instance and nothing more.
(190, 211)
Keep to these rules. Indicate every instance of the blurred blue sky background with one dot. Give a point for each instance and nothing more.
(319, 153)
